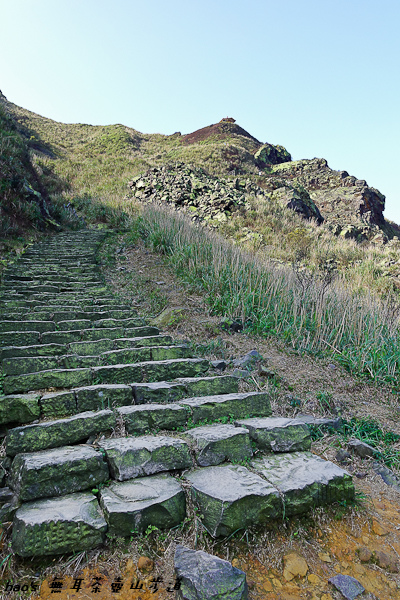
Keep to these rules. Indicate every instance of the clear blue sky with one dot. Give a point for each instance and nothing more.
(321, 77)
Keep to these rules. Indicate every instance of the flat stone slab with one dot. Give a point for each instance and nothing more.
(57, 378)
(232, 498)
(158, 391)
(149, 418)
(57, 472)
(96, 397)
(213, 444)
(305, 480)
(276, 434)
(207, 577)
(19, 408)
(62, 432)
(131, 506)
(35, 350)
(58, 404)
(209, 386)
(236, 406)
(71, 523)
(139, 456)
(137, 342)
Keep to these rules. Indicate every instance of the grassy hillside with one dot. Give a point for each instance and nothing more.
(85, 170)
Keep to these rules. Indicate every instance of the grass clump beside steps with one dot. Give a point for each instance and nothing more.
(322, 317)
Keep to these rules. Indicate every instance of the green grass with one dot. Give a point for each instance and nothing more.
(360, 332)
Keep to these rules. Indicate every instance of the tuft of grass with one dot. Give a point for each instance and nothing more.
(359, 331)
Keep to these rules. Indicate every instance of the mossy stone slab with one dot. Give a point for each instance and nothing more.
(146, 455)
(40, 326)
(33, 351)
(58, 404)
(19, 408)
(137, 342)
(213, 444)
(210, 386)
(132, 506)
(57, 378)
(133, 332)
(149, 418)
(158, 392)
(72, 523)
(91, 348)
(207, 577)
(277, 434)
(74, 325)
(171, 352)
(57, 472)
(171, 369)
(118, 374)
(20, 338)
(236, 406)
(29, 364)
(125, 356)
(103, 396)
(100, 334)
(232, 498)
(61, 337)
(305, 480)
(60, 432)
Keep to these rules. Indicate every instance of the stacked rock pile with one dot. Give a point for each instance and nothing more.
(104, 416)
(208, 198)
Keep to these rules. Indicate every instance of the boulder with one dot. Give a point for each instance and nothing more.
(232, 498)
(207, 577)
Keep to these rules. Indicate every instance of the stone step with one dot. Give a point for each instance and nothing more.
(24, 365)
(132, 506)
(71, 523)
(57, 433)
(57, 472)
(233, 406)
(123, 373)
(131, 457)
(145, 418)
(231, 498)
(277, 434)
(32, 351)
(19, 408)
(85, 348)
(16, 326)
(214, 444)
(150, 371)
(305, 480)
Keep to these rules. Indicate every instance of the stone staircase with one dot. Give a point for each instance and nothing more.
(105, 418)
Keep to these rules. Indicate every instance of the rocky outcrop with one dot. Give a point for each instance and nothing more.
(349, 205)
(209, 198)
(269, 154)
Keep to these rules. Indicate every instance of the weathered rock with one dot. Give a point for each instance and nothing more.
(294, 565)
(362, 449)
(146, 455)
(216, 443)
(305, 480)
(277, 434)
(62, 432)
(101, 396)
(348, 586)
(388, 476)
(19, 408)
(71, 523)
(207, 577)
(131, 506)
(232, 498)
(212, 408)
(57, 472)
(149, 418)
(58, 404)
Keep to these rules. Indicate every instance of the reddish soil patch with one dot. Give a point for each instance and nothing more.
(219, 131)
